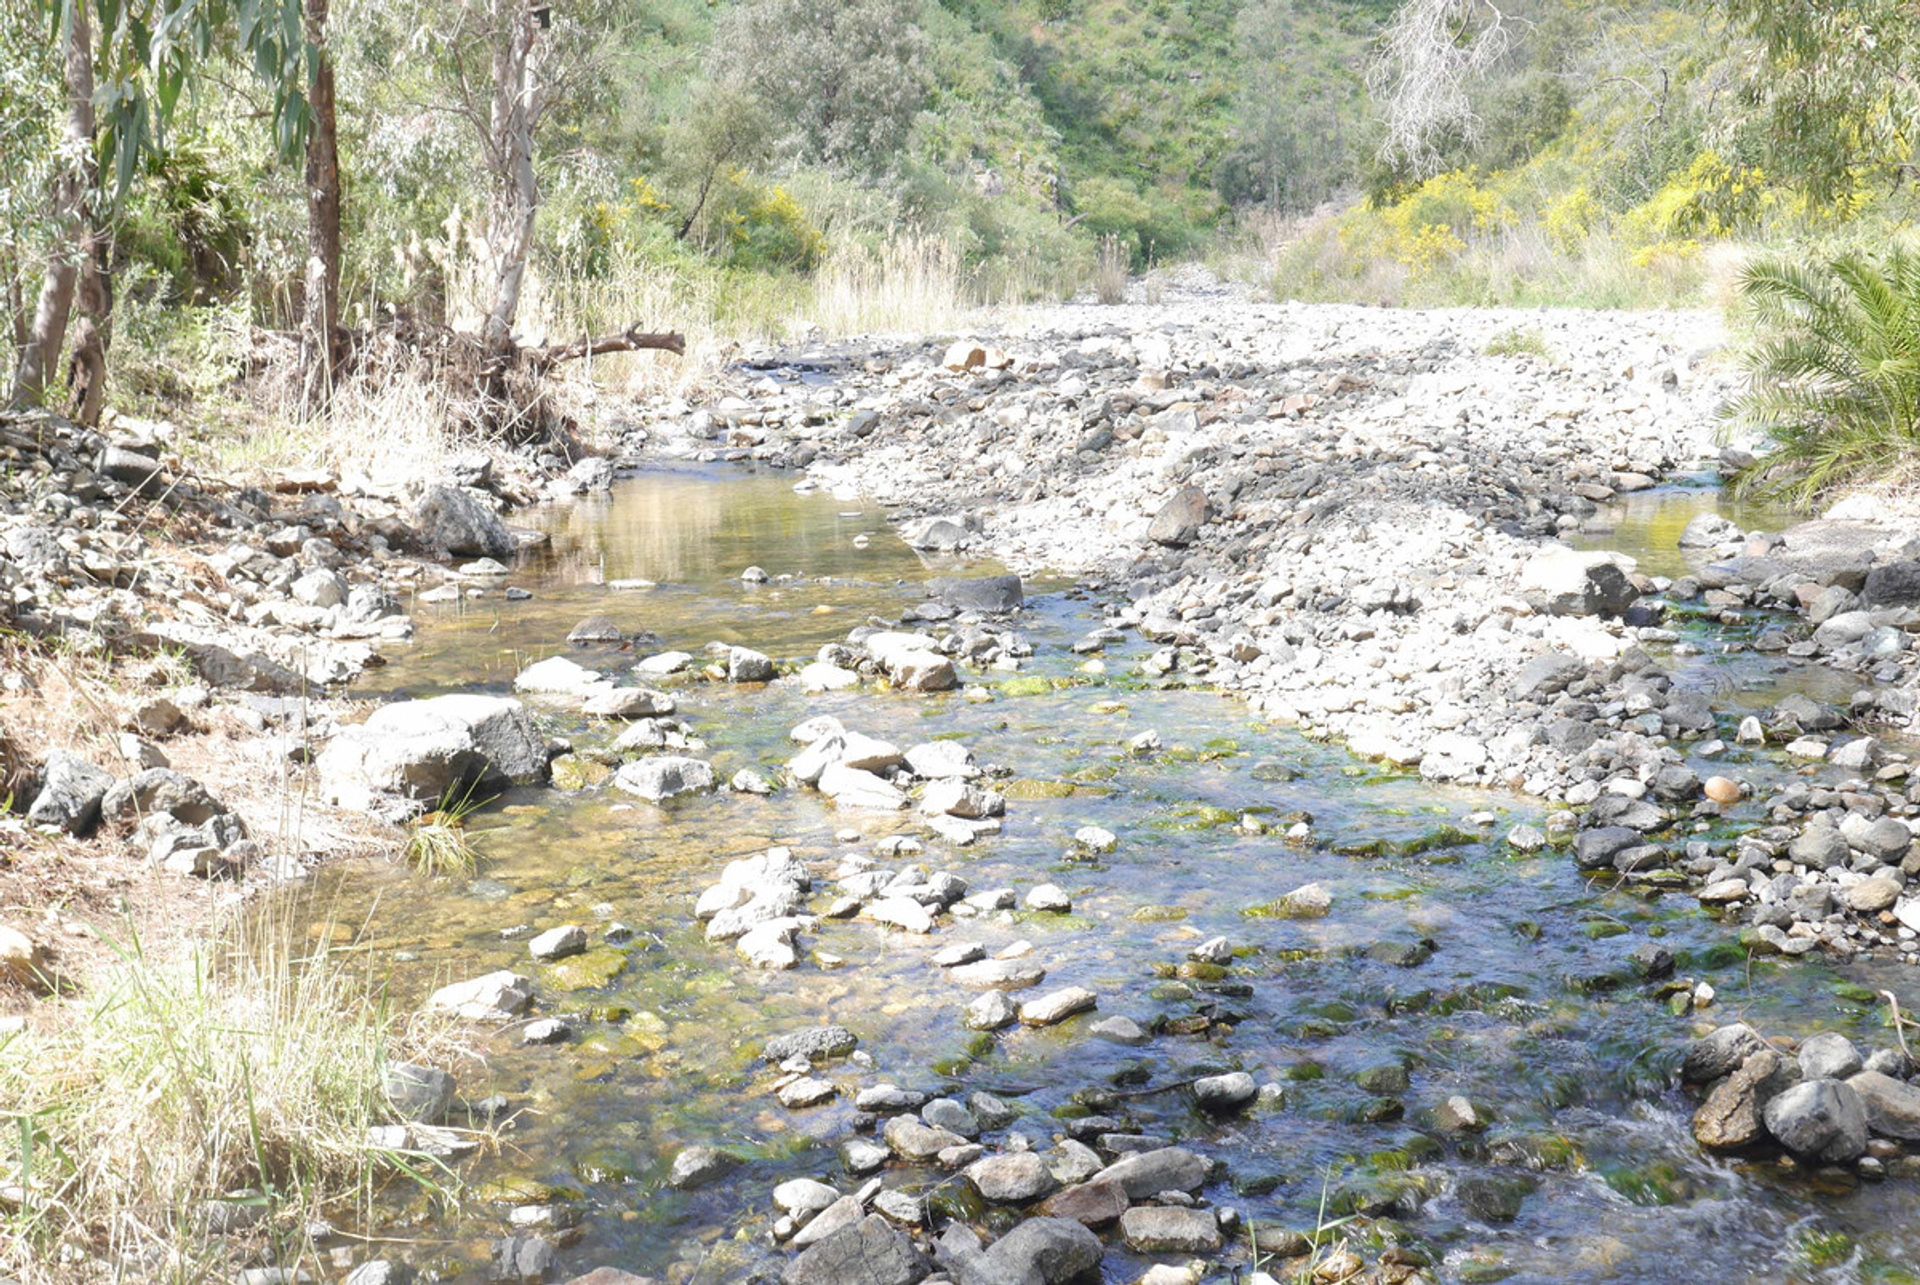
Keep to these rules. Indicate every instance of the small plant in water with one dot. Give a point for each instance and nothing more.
(438, 844)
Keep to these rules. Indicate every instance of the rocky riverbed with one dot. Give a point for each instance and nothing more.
(851, 912)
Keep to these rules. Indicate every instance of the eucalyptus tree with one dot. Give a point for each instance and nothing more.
(1833, 83)
(127, 66)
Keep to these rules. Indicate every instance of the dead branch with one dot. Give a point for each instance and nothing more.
(633, 339)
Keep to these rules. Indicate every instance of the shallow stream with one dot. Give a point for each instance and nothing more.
(1449, 964)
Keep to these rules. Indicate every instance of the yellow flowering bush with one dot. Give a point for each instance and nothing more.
(1569, 217)
(1427, 228)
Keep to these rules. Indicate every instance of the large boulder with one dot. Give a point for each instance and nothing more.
(1568, 582)
(1823, 1121)
(70, 793)
(1040, 1251)
(432, 749)
(1831, 552)
(664, 776)
(1180, 518)
(457, 520)
(869, 1252)
(1892, 1106)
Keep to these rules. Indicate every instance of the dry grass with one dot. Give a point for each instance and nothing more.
(251, 1066)
(1110, 271)
(910, 285)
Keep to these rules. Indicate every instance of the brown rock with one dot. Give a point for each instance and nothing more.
(1092, 1204)
(1730, 1117)
(1723, 790)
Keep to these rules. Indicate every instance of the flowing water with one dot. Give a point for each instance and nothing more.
(1448, 963)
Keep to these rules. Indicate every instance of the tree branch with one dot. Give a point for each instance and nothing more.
(633, 339)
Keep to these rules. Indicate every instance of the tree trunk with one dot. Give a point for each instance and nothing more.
(516, 197)
(320, 323)
(49, 331)
(87, 368)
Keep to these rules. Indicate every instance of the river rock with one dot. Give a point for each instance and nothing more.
(522, 1257)
(1730, 1117)
(664, 776)
(417, 1092)
(1057, 1006)
(804, 1196)
(942, 760)
(70, 793)
(1720, 1053)
(988, 595)
(1179, 520)
(1000, 974)
(596, 629)
(1048, 898)
(1011, 1179)
(697, 1167)
(1148, 1173)
(1046, 1251)
(912, 1139)
(1093, 1204)
(455, 519)
(990, 1012)
(629, 702)
(497, 997)
(558, 676)
(1568, 582)
(900, 912)
(1823, 1121)
(744, 665)
(432, 749)
(1892, 1106)
(849, 787)
(815, 1043)
(1225, 1093)
(1169, 1229)
(558, 943)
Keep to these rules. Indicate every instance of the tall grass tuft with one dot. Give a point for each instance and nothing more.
(909, 284)
(437, 843)
(254, 1066)
(1833, 372)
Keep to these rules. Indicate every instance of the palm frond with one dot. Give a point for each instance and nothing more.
(1833, 377)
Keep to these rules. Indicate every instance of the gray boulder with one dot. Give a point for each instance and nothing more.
(664, 776)
(1831, 1056)
(1720, 1053)
(1040, 1251)
(1566, 582)
(1180, 518)
(457, 520)
(1892, 1106)
(432, 749)
(70, 793)
(1148, 1173)
(1823, 1121)
(869, 1252)
(990, 595)
(418, 1092)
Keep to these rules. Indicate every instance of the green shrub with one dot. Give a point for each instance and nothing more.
(1833, 372)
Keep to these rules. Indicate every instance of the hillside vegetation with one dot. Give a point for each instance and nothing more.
(737, 168)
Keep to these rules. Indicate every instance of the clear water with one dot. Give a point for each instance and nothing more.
(1526, 1006)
